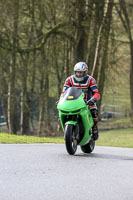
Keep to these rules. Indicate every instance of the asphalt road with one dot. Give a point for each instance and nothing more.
(47, 172)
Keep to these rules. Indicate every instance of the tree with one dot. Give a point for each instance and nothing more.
(105, 43)
(123, 14)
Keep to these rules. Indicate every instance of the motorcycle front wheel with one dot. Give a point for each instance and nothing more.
(70, 139)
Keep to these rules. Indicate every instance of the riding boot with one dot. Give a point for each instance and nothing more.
(95, 132)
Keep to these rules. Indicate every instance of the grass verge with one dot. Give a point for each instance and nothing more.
(114, 138)
(18, 139)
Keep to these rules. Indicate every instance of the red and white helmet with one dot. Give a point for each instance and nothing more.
(80, 67)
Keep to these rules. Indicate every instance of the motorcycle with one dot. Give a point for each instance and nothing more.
(76, 121)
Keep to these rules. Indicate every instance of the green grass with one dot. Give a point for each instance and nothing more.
(115, 138)
(121, 121)
(17, 139)
(115, 124)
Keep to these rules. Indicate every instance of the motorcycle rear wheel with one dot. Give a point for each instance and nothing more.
(70, 140)
(88, 148)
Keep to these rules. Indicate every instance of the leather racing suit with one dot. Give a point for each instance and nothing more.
(90, 89)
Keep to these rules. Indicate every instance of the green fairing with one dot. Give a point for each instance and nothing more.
(76, 107)
(71, 122)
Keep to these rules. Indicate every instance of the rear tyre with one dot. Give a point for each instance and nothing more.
(88, 148)
(70, 139)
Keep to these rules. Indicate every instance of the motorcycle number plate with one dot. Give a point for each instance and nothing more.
(70, 97)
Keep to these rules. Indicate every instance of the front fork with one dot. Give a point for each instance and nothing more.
(76, 132)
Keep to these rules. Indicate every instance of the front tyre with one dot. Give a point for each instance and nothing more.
(70, 139)
(88, 148)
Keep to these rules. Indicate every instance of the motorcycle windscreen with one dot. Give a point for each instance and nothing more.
(72, 93)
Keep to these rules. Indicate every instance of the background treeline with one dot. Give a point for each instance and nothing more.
(40, 42)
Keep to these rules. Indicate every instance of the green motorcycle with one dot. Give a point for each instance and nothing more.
(76, 121)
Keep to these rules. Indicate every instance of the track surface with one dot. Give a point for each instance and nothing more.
(47, 172)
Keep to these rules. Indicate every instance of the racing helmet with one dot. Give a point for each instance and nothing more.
(80, 67)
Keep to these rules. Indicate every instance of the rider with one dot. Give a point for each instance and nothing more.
(81, 79)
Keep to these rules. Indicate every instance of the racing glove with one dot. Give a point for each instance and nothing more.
(91, 102)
